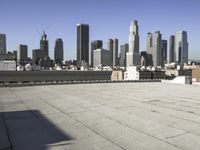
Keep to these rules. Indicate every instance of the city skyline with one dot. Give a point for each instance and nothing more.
(21, 27)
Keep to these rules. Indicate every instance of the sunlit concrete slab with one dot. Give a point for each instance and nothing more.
(114, 116)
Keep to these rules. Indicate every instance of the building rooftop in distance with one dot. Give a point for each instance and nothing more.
(112, 116)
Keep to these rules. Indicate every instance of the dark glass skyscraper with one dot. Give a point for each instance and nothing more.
(171, 49)
(95, 45)
(123, 51)
(2, 44)
(22, 54)
(44, 44)
(163, 52)
(112, 46)
(82, 43)
(58, 50)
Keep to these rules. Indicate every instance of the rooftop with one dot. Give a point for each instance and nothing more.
(112, 116)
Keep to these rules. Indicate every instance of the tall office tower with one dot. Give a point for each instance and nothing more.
(112, 46)
(58, 50)
(154, 49)
(181, 47)
(22, 54)
(171, 49)
(95, 45)
(44, 44)
(115, 52)
(82, 44)
(163, 52)
(122, 59)
(2, 44)
(102, 58)
(133, 55)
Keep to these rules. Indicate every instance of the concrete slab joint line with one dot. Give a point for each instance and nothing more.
(176, 135)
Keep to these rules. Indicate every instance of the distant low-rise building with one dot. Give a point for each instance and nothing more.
(173, 70)
(131, 73)
(117, 75)
(7, 56)
(7, 66)
(37, 55)
(196, 74)
(46, 63)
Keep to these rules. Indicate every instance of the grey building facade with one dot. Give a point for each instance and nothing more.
(95, 45)
(38, 54)
(22, 54)
(82, 43)
(112, 46)
(44, 44)
(58, 50)
(2, 44)
(102, 58)
(181, 47)
(154, 49)
(122, 58)
(171, 48)
(163, 52)
(115, 52)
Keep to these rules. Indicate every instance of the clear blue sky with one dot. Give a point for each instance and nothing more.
(20, 20)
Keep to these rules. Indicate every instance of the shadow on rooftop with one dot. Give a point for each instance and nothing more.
(30, 130)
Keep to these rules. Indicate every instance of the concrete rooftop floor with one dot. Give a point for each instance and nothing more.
(113, 116)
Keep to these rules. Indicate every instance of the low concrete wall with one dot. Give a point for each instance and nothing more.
(40, 76)
(182, 80)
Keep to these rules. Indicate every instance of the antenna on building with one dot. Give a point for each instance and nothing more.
(43, 30)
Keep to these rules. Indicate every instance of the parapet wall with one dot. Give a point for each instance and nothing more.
(40, 76)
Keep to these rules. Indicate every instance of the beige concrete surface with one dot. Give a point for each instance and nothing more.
(113, 116)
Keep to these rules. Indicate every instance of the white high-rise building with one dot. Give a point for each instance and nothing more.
(133, 55)
(181, 47)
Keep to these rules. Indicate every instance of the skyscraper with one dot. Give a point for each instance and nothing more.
(171, 49)
(133, 56)
(101, 57)
(44, 44)
(22, 54)
(82, 43)
(154, 49)
(181, 47)
(163, 52)
(58, 50)
(123, 51)
(112, 46)
(2, 44)
(95, 45)
(115, 52)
